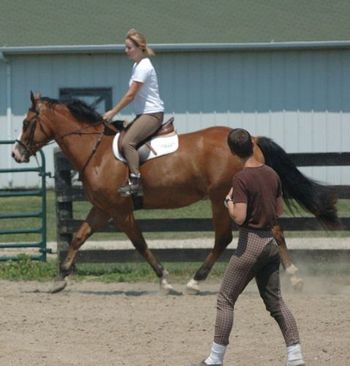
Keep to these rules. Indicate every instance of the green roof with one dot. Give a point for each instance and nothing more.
(35, 23)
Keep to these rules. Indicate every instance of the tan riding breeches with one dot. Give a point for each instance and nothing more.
(256, 256)
(142, 127)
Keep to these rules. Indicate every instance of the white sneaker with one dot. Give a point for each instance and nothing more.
(295, 357)
(297, 362)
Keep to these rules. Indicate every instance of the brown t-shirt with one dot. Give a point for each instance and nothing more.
(258, 187)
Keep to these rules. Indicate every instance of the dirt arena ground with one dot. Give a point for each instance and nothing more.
(92, 323)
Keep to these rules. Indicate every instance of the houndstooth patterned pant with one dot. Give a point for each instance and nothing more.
(256, 256)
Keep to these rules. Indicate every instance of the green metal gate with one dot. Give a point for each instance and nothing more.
(39, 213)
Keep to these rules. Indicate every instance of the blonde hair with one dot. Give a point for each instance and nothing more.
(140, 41)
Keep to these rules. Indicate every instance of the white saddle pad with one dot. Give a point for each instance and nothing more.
(161, 145)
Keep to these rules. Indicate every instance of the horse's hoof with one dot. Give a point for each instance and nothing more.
(292, 270)
(192, 287)
(167, 289)
(58, 285)
(170, 291)
(66, 270)
(297, 283)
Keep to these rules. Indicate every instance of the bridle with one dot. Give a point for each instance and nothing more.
(31, 146)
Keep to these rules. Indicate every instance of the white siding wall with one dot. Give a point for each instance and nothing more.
(299, 98)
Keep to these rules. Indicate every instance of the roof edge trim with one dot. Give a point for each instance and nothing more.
(178, 47)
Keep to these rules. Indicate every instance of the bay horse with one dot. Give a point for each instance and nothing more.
(202, 167)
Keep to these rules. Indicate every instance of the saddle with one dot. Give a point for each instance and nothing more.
(164, 129)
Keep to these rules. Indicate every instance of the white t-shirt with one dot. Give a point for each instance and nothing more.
(147, 99)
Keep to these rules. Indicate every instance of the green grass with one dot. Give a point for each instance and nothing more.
(27, 270)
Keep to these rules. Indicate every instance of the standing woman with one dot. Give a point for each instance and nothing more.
(149, 108)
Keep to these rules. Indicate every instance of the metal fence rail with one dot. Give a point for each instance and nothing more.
(40, 214)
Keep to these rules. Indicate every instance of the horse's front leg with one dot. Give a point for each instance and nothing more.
(95, 220)
(129, 226)
(223, 237)
(286, 260)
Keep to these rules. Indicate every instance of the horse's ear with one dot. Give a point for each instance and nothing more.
(34, 97)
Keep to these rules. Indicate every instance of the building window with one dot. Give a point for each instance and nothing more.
(98, 98)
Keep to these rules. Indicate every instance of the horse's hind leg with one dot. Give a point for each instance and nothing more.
(223, 236)
(95, 220)
(129, 226)
(286, 260)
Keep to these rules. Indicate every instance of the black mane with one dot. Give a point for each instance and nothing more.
(79, 109)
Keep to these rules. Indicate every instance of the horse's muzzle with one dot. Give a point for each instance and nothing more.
(20, 154)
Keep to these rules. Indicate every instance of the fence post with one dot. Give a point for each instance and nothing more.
(64, 204)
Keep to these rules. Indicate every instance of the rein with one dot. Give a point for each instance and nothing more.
(80, 131)
(94, 148)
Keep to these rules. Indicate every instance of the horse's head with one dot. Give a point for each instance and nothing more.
(34, 135)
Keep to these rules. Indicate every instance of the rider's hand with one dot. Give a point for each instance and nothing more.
(108, 116)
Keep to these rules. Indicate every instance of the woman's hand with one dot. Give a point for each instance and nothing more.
(108, 116)
(124, 101)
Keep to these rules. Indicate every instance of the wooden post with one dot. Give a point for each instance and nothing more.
(64, 204)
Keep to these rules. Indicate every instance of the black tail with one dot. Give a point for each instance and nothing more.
(316, 198)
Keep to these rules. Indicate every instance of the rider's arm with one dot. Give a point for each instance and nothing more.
(128, 97)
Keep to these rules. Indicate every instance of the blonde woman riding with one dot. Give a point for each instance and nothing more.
(149, 108)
